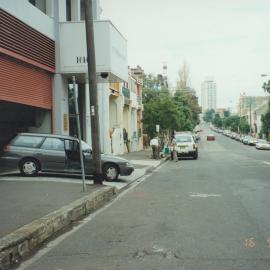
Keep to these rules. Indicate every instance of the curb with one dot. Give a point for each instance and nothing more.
(150, 169)
(18, 244)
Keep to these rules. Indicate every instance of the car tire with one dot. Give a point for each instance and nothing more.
(29, 167)
(195, 156)
(110, 172)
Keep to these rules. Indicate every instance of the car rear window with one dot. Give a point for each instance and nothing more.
(27, 141)
(182, 138)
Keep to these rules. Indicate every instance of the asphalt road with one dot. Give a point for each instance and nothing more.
(210, 213)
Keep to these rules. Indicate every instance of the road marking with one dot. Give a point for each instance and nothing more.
(203, 195)
(267, 163)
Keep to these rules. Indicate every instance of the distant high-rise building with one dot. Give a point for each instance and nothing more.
(209, 95)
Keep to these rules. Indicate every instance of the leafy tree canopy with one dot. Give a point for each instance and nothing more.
(266, 86)
(208, 115)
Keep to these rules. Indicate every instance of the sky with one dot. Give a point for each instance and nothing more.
(228, 40)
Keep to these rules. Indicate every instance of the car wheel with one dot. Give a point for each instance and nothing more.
(110, 172)
(29, 167)
(195, 156)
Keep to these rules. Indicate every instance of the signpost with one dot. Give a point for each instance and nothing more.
(79, 129)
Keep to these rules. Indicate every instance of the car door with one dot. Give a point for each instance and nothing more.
(73, 157)
(52, 154)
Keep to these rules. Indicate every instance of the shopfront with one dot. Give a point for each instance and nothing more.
(26, 74)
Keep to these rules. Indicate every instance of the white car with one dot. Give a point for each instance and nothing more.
(262, 144)
(252, 141)
(186, 146)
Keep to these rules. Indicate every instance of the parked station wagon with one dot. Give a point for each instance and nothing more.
(32, 153)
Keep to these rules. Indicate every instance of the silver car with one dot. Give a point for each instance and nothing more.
(262, 145)
(32, 153)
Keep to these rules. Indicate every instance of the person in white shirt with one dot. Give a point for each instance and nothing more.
(154, 144)
(174, 152)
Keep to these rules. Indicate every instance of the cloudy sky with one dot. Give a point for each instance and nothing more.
(226, 39)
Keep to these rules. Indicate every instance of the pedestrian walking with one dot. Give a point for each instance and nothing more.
(154, 145)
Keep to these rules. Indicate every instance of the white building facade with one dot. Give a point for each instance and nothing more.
(62, 22)
(209, 95)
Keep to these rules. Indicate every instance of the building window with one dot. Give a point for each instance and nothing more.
(33, 2)
(68, 7)
(82, 10)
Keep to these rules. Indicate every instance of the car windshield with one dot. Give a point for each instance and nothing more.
(262, 141)
(182, 138)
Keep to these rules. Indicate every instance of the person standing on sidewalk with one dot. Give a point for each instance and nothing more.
(174, 152)
(154, 145)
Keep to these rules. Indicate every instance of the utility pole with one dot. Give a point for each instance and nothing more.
(96, 153)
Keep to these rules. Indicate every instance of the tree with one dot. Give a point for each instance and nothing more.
(266, 86)
(237, 124)
(189, 108)
(244, 126)
(180, 112)
(187, 101)
(227, 113)
(184, 77)
(266, 117)
(217, 121)
(266, 122)
(163, 111)
(208, 115)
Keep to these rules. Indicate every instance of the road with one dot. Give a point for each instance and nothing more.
(210, 213)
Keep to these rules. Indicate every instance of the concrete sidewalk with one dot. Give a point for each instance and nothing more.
(33, 209)
(143, 158)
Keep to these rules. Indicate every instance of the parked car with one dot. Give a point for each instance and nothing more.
(210, 137)
(32, 153)
(186, 146)
(262, 145)
(245, 139)
(252, 141)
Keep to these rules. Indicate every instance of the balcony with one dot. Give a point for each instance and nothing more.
(110, 49)
(126, 95)
(126, 92)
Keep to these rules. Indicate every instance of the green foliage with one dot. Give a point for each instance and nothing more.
(266, 122)
(217, 121)
(244, 126)
(266, 117)
(236, 124)
(266, 86)
(227, 113)
(171, 113)
(161, 110)
(189, 108)
(208, 115)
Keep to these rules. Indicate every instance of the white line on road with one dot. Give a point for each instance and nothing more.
(203, 195)
(267, 163)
